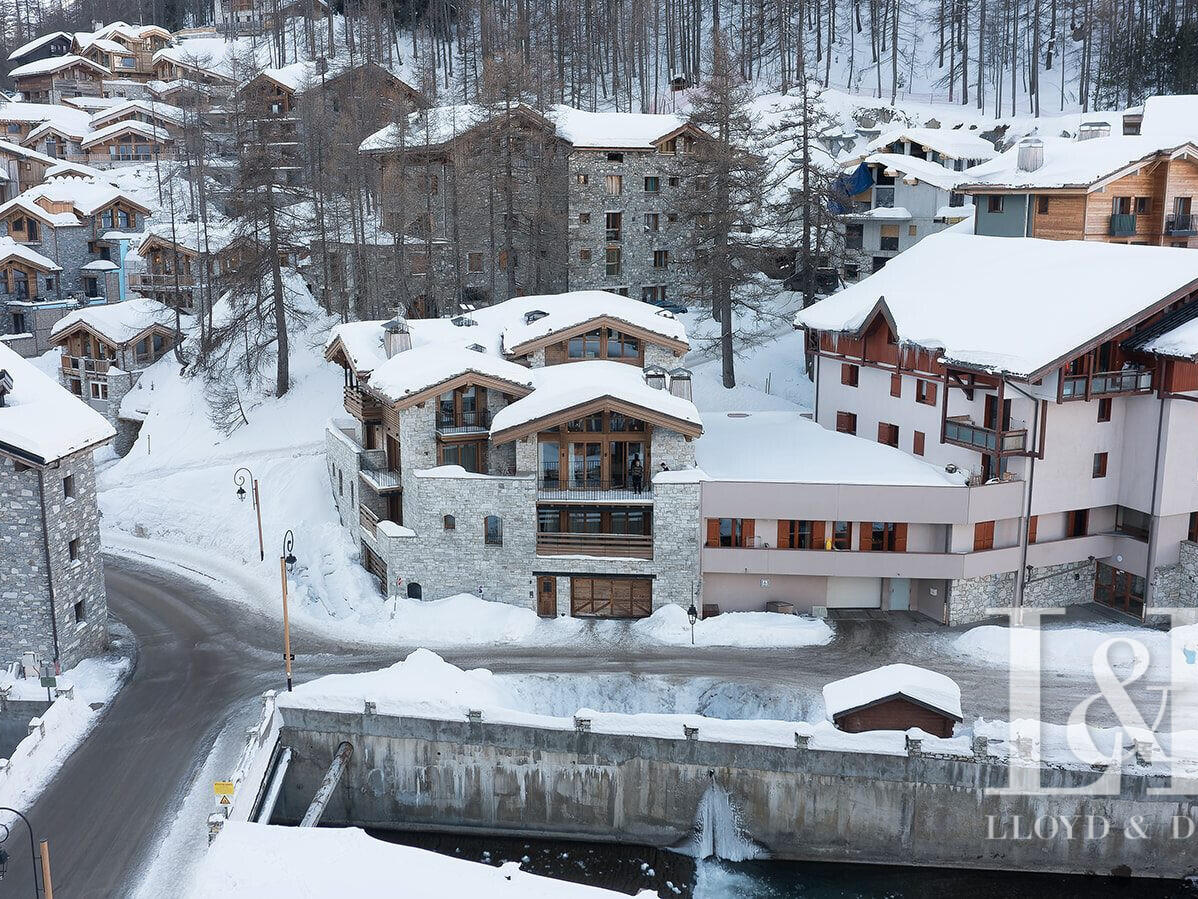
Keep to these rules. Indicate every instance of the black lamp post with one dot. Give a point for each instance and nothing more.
(239, 478)
(32, 849)
(287, 563)
(692, 614)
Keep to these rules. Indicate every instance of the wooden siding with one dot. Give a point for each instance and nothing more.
(1064, 220)
(897, 713)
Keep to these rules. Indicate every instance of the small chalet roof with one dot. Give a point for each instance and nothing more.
(60, 128)
(433, 127)
(919, 685)
(25, 204)
(27, 48)
(1012, 305)
(419, 369)
(164, 111)
(950, 142)
(55, 64)
(559, 388)
(791, 449)
(106, 45)
(118, 323)
(362, 343)
(1171, 115)
(88, 195)
(1175, 335)
(41, 421)
(100, 265)
(292, 78)
(569, 310)
(74, 120)
(212, 56)
(618, 130)
(912, 168)
(10, 249)
(1081, 165)
(116, 129)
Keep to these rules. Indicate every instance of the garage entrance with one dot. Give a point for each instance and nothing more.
(611, 597)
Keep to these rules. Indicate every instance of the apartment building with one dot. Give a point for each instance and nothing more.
(536, 452)
(52, 598)
(1121, 189)
(902, 189)
(1065, 368)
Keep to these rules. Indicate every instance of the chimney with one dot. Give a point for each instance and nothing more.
(396, 337)
(680, 383)
(1030, 154)
(5, 385)
(655, 377)
(1091, 130)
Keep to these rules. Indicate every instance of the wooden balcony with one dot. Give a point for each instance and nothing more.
(1106, 383)
(162, 281)
(960, 431)
(362, 406)
(82, 365)
(608, 546)
(368, 520)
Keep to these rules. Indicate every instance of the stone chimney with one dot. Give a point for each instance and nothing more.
(396, 336)
(655, 377)
(5, 385)
(680, 383)
(1030, 154)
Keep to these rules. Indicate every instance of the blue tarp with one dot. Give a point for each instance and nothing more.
(849, 186)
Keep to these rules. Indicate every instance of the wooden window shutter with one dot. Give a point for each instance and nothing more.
(1031, 528)
(983, 535)
(865, 536)
(930, 392)
(896, 384)
(746, 530)
(890, 230)
(900, 537)
(783, 534)
(713, 532)
(817, 535)
(917, 443)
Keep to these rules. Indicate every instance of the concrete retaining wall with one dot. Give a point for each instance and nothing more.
(423, 774)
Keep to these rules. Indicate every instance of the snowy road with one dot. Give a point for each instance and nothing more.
(202, 659)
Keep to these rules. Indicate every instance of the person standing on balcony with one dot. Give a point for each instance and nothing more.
(637, 472)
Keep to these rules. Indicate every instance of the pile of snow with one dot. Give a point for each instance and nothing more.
(263, 860)
(670, 625)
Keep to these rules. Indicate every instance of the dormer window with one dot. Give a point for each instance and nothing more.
(463, 321)
(534, 315)
(477, 347)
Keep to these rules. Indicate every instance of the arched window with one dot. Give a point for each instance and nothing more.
(450, 523)
(493, 530)
(415, 591)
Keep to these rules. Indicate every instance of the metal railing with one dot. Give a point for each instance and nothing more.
(963, 432)
(162, 280)
(449, 421)
(1123, 224)
(633, 546)
(1106, 383)
(586, 489)
(1184, 223)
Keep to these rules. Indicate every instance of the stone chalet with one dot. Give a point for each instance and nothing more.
(104, 351)
(52, 594)
(1059, 378)
(537, 451)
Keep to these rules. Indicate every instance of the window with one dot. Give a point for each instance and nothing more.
(584, 218)
(983, 536)
(994, 203)
(614, 185)
(1098, 470)
(415, 591)
(896, 384)
(613, 222)
(1042, 205)
(851, 271)
(581, 179)
(661, 258)
(493, 530)
(1104, 409)
(99, 390)
(854, 236)
(68, 486)
(584, 255)
(1032, 524)
(1143, 205)
(1192, 534)
(613, 262)
(584, 346)
(621, 346)
(849, 374)
(80, 613)
(888, 433)
(122, 219)
(673, 181)
(615, 157)
(49, 283)
(730, 531)
(1121, 206)
(73, 549)
(18, 322)
(449, 523)
(912, 231)
(925, 392)
(917, 439)
(800, 534)
(654, 293)
(474, 262)
(468, 454)
(652, 184)
(890, 237)
(671, 217)
(884, 536)
(652, 222)
(1077, 522)
(842, 535)
(1132, 522)
(846, 422)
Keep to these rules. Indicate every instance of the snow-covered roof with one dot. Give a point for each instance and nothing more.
(363, 344)
(946, 141)
(1170, 115)
(56, 127)
(569, 310)
(74, 120)
(55, 64)
(35, 43)
(88, 195)
(1076, 164)
(100, 265)
(25, 204)
(928, 688)
(40, 420)
(884, 214)
(293, 77)
(151, 132)
(93, 104)
(416, 370)
(1180, 342)
(107, 46)
(557, 388)
(621, 130)
(1015, 305)
(426, 128)
(118, 323)
(10, 249)
(164, 111)
(914, 168)
(210, 55)
(791, 449)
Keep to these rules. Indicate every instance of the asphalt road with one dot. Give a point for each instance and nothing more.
(201, 660)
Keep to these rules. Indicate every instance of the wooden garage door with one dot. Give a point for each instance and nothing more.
(611, 597)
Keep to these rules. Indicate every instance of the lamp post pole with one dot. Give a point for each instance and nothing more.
(239, 480)
(692, 613)
(32, 849)
(285, 560)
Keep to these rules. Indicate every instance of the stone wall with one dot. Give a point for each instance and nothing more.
(342, 455)
(969, 598)
(1054, 586)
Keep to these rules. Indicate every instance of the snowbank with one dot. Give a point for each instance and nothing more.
(1073, 648)
(266, 861)
(670, 625)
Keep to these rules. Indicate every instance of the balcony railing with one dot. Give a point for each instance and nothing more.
(162, 281)
(1184, 223)
(464, 421)
(588, 490)
(369, 520)
(1123, 225)
(631, 546)
(76, 364)
(1106, 383)
(961, 431)
(361, 406)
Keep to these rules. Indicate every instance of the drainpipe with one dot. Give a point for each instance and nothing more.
(1021, 573)
(1152, 516)
(49, 566)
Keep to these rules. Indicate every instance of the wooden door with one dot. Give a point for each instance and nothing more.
(547, 597)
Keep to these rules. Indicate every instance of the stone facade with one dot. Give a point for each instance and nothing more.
(50, 558)
(970, 598)
(1054, 586)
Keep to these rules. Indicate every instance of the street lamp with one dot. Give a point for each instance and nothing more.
(286, 563)
(4, 856)
(692, 614)
(239, 479)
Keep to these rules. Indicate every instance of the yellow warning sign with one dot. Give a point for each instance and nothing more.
(224, 800)
(223, 788)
